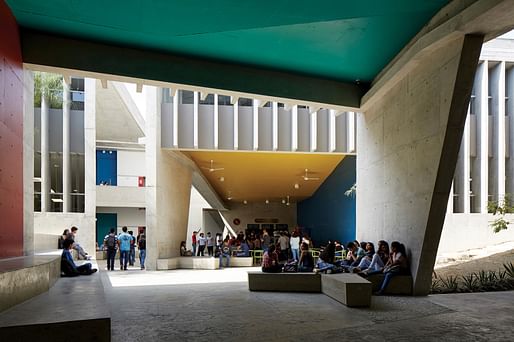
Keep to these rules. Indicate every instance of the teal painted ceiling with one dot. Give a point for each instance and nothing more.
(333, 39)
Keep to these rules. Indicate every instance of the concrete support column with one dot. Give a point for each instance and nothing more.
(45, 156)
(87, 233)
(66, 170)
(500, 134)
(483, 140)
(168, 189)
(28, 162)
(409, 137)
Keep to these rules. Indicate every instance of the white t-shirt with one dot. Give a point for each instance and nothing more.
(295, 242)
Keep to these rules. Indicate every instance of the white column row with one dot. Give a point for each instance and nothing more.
(485, 169)
(254, 125)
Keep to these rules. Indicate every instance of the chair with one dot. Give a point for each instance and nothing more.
(315, 255)
(257, 256)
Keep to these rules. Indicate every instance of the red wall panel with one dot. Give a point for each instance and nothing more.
(11, 136)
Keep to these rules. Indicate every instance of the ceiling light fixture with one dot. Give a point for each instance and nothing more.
(283, 201)
(296, 186)
(287, 200)
(267, 201)
(245, 202)
(222, 179)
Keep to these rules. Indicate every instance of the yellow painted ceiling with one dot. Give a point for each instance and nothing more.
(257, 176)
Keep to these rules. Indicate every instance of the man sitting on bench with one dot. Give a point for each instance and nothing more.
(68, 267)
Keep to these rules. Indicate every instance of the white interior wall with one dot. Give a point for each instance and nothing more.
(195, 221)
(130, 217)
(131, 165)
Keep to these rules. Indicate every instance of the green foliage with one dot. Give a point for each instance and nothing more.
(476, 282)
(469, 283)
(450, 284)
(351, 192)
(509, 269)
(49, 86)
(500, 208)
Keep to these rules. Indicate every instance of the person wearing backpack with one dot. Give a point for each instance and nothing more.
(110, 243)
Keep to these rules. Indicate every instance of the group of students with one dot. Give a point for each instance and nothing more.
(126, 242)
(68, 267)
(360, 258)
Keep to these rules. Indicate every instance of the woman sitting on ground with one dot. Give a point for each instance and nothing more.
(326, 258)
(396, 265)
(64, 236)
(68, 267)
(184, 251)
(270, 261)
(306, 263)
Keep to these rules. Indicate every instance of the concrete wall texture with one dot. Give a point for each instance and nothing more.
(403, 170)
(329, 214)
(11, 136)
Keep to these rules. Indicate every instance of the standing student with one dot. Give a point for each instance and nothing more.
(124, 241)
(202, 242)
(141, 245)
(295, 245)
(194, 241)
(210, 244)
(110, 243)
(132, 253)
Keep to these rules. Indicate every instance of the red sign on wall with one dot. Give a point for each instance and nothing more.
(141, 181)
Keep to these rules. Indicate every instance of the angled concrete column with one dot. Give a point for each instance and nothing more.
(168, 189)
(28, 162)
(408, 142)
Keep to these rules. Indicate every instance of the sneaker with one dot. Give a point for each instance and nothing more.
(93, 270)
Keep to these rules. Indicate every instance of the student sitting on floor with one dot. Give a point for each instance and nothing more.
(306, 263)
(270, 261)
(184, 251)
(326, 259)
(378, 261)
(68, 267)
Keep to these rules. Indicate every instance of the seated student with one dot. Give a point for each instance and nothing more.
(243, 250)
(326, 258)
(378, 261)
(270, 262)
(306, 263)
(68, 267)
(184, 251)
(63, 237)
(351, 256)
(365, 261)
(396, 265)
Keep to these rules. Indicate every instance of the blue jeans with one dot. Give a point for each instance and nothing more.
(387, 280)
(296, 253)
(124, 255)
(194, 249)
(132, 256)
(226, 255)
(111, 255)
(142, 257)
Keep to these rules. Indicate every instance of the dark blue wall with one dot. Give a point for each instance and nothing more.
(106, 167)
(329, 214)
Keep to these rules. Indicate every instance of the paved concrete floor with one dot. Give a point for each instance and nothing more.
(183, 305)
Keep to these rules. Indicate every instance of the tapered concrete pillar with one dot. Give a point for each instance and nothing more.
(66, 171)
(168, 189)
(408, 141)
(45, 155)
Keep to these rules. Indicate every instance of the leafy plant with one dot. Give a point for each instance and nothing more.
(450, 284)
(470, 283)
(436, 286)
(49, 86)
(500, 208)
(351, 192)
(509, 269)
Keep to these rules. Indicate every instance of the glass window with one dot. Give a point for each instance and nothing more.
(224, 100)
(186, 97)
(245, 102)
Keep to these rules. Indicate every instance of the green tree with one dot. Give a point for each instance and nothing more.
(50, 86)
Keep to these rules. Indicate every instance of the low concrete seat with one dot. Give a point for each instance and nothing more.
(284, 282)
(399, 285)
(347, 288)
(197, 263)
(25, 277)
(73, 309)
(241, 262)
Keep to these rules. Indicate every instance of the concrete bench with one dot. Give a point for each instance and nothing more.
(197, 263)
(25, 277)
(73, 309)
(240, 261)
(399, 285)
(284, 282)
(347, 288)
